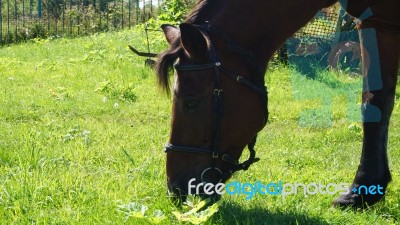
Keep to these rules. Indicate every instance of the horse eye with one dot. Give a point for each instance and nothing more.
(191, 103)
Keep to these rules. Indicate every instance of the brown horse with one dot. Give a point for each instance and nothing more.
(219, 101)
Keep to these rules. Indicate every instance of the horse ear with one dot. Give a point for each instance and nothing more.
(171, 32)
(193, 41)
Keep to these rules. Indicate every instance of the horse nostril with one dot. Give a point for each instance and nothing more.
(176, 190)
(177, 194)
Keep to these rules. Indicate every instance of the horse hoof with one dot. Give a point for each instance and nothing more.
(356, 201)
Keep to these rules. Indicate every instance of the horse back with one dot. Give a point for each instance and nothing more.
(382, 14)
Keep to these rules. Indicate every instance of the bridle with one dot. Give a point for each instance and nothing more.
(215, 64)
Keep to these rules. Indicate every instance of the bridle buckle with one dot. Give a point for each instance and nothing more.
(218, 92)
(215, 155)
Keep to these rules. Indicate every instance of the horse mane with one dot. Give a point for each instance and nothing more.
(166, 59)
(200, 11)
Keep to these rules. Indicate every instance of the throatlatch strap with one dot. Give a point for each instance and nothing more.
(246, 164)
(252, 158)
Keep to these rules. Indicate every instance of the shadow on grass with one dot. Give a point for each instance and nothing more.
(233, 214)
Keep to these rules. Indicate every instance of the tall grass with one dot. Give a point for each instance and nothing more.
(82, 126)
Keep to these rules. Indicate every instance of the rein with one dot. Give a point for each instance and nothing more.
(215, 64)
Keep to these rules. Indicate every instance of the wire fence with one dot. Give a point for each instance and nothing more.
(324, 25)
(27, 19)
(330, 40)
(328, 27)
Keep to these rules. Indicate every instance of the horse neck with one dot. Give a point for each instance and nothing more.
(263, 26)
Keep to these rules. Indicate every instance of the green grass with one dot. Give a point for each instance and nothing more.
(82, 127)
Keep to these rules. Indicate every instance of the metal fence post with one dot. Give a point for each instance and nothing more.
(1, 21)
(63, 19)
(30, 8)
(114, 17)
(39, 8)
(8, 20)
(70, 17)
(23, 13)
(100, 26)
(129, 13)
(137, 11)
(56, 16)
(107, 13)
(16, 20)
(48, 18)
(122, 14)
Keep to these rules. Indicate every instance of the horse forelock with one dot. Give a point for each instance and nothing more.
(165, 62)
(166, 59)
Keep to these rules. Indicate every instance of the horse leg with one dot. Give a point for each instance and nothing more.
(380, 77)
